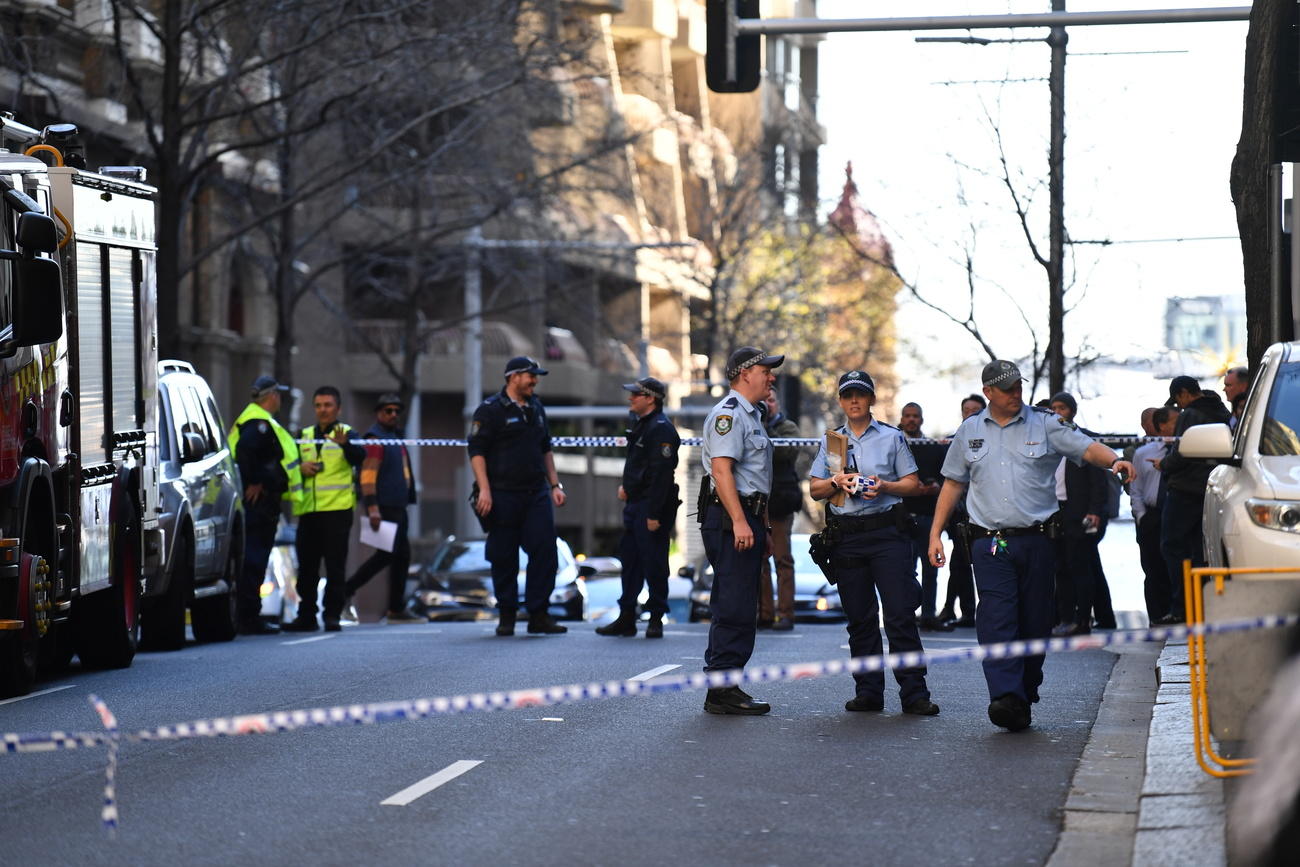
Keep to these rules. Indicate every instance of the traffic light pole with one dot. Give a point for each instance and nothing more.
(778, 26)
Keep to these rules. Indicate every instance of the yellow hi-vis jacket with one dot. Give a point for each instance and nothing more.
(288, 448)
(331, 489)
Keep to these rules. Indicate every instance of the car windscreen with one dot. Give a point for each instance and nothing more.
(1281, 433)
(463, 558)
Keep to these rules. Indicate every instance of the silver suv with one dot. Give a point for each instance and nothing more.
(202, 520)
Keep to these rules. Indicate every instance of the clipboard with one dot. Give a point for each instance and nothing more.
(837, 453)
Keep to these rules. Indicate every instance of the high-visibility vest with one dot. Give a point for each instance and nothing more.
(331, 489)
(288, 448)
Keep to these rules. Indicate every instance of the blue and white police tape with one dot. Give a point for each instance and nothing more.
(621, 442)
(392, 711)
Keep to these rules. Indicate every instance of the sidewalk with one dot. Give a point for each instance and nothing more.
(1138, 795)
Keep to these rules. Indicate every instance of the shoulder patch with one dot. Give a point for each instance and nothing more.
(666, 450)
(1069, 424)
(474, 428)
(722, 425)
(263, 427)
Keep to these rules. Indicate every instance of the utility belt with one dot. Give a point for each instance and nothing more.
(972, 532)
(896, 516)
(754, 504)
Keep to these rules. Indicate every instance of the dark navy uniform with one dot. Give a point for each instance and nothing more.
(513, 440)
(260, 458)
(873, 555)
(652, 446)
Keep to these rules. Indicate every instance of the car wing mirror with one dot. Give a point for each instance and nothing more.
(37, 233)
(193, 447)
(1206, 441)
(686, 572)
(586, 571)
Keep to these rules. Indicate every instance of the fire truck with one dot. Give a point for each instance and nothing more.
(78, 392)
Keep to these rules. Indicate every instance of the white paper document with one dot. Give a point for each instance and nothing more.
(383, 538)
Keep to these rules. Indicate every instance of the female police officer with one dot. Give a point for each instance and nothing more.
(872, 550)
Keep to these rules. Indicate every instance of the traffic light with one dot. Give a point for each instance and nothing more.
(747, 72)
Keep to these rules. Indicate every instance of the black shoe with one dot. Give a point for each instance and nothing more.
(333, 626)
(962, 623)
(258, 627)
(1169, 619)
(396, 617)
(946, 615)
(733, 700)
(624, 626)
(301, 624)
(1105, 624)
(655, 628)
(865, 703)
(542, 623)
(781, 624)
(764, 623)
(1010, 711)
(506, 624)
(1064, 630)
(921, 707)
(930, 624)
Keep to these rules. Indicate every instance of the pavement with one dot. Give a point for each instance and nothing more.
(1138, 796)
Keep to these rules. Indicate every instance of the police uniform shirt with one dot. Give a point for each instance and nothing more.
(652, 446)
(258, 456)
(513, 440)
(1010, 470)
(881, 451)
(734, 429)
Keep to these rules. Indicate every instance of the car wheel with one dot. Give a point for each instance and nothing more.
(162, 622)
(213, 618)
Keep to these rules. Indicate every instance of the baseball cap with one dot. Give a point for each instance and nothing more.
(748, 356)
(647, 385)
(524, 364)
(859, 379)
(1180, 384)
(263, 384)
(389, 398)
(1001, 374)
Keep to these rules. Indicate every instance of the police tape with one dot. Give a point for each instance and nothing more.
(275, 722)
(621, 442)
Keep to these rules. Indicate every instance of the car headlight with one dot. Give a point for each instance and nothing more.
(1281, 515)
(704, 597)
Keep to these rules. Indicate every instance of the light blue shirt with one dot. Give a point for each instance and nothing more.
(1010, 469)
(734, 429)
(881, 451)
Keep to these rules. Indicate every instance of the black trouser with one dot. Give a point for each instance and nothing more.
(961, 577)
(881, 561)
(920, 537)
(259, 538)
(1180, 539)
(644, 553)
(398, 561)
(323, 535)
(522, 519)
(733, 601)
(1155, 584)
(1080, 581)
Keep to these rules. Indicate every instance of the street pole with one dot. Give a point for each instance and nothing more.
(1058, 40)
(466, 523)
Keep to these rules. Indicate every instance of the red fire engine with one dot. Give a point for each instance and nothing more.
(78, 369)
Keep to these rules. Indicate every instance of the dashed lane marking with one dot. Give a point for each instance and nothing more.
(37, 694)
(429, 783)
(654, 672)
(310, 640)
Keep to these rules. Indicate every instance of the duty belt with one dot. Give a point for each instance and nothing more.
(862, 523)
(978, 532)
(755, 504)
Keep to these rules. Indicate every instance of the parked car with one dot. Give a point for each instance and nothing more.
(279, 590)
(1251, 514)
(457, 583)
(202, 519)
(605, 586)
(815, 600)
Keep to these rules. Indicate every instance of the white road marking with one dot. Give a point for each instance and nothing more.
(35, 694)
(428, 784)
(309, 640)
(654, 672)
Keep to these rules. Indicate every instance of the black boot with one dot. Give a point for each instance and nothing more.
(624, 626)
(506, 623)
(542, 623)
(655, 628)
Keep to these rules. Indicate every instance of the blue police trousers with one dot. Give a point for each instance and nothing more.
(644, 554)
(881, 562)
(523, 520)
(1015, 602)
(734, 598)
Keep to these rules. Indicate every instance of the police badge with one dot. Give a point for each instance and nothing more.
(666, 450)
(722, 425)
(976, 444)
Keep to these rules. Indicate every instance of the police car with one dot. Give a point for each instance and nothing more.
(815, 601)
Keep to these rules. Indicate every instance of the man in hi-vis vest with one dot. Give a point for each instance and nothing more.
(325, 511)
(269, 468)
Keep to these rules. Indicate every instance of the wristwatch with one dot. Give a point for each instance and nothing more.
(559, 485)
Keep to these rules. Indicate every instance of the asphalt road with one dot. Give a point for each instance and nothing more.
(648, 779)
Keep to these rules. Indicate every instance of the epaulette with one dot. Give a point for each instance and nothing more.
(1043, 410)
(886, 424)
(842, 429)
(496, 398)
(730, 403)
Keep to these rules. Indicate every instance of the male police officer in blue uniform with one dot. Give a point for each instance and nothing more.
(737, 455)
(873, 545)
(518, 490)
(650, 510)
(1008, 454)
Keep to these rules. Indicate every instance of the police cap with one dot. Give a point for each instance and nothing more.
(389, 398)
(265, 384)
(1001, 374)
(858, 379)
(524, 364)
(648, 386)
(748, 356)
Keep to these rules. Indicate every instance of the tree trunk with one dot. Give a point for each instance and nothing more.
(1250, 170)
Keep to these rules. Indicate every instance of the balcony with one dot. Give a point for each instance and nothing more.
(646, 19)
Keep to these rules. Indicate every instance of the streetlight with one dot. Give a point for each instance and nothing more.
(1057, 39)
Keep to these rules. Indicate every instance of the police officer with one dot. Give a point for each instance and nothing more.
(1007, 454)
(737, 456)
(650, 510)
(325, 510)
(268, 462)
(873, 551)
(518, 490)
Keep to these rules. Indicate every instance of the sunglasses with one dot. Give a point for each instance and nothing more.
(390, 410)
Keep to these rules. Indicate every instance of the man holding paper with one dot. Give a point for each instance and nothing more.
(387, 488)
